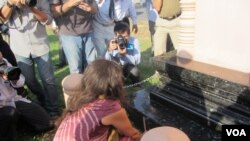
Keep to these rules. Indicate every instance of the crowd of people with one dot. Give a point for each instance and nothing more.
(95, 38)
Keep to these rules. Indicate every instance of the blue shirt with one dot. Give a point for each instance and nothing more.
(133, 55)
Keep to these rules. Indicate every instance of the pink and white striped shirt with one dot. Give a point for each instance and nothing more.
(85, 124)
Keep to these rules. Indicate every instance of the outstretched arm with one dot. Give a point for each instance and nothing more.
(122, 123)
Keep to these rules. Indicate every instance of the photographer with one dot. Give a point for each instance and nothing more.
(74, 20)
(110, 12)
(29, 42)
(125, 50)
(14, 108)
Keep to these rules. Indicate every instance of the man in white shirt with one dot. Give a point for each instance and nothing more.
(15, 108)
(108, 12)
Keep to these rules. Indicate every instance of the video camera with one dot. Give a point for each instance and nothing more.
(12, 73)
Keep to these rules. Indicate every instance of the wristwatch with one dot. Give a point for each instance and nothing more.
(9, 5)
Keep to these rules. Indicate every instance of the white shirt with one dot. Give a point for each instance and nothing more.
(8, 95)
(123, 8)
(28, 36)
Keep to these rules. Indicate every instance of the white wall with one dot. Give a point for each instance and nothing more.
(222, 33)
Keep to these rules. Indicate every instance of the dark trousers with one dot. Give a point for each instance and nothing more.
(131, 72)
(29, 114)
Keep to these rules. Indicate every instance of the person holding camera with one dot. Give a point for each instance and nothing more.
(109, 12)
(14, 108)
(125, 50)
(74, 21)
(29, 42)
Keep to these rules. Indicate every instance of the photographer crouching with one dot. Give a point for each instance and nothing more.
(27, 20)
(125, 50)
(14, 108)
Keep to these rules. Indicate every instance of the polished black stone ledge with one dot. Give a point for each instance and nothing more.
(194, 91)
(170, 67)
(195, 97)
(157, 114)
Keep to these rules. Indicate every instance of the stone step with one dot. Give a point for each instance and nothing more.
(215, 99)
(157, 114)
(205, 110)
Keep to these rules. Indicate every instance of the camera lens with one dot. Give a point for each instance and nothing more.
(31, 3)
(121, 42)
(13, 73)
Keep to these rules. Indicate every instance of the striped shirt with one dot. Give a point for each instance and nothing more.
(85, 124)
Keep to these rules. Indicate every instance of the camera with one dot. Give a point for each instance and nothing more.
(31, 3)
(12, 73)
(4, 29)
(121, 41)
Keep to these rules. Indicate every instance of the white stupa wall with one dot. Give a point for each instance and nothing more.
(221, 33)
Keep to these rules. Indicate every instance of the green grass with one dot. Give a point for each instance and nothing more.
(146, 70)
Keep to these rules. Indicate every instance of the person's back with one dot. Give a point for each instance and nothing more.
(97, 109)
(86, 123)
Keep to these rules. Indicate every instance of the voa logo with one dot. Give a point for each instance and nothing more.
(236, 132)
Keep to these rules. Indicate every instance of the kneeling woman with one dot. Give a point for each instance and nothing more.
(92, 113)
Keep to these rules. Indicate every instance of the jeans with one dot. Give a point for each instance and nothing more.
(79, 51)
(62, 57)
(47, 95)
(102, 36)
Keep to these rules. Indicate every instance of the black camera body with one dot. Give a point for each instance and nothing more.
(12, 73)
(121, 41)
(31, 3)
(4, 29)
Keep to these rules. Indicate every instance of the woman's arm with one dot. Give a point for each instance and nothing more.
(59, 9)
(122, 123)
(157, 4)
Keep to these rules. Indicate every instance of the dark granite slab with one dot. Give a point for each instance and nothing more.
(195, 97)
(190, 87)
(157, 114)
